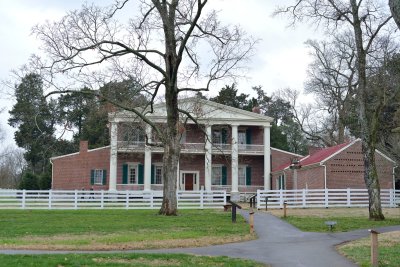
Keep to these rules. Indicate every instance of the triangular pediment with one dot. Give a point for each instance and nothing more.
(206, 111)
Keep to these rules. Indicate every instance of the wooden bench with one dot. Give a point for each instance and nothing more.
(227, 207)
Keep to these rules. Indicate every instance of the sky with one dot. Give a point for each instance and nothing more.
(280, 60)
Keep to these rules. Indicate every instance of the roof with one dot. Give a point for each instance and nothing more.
(204, 111)
(319, 157)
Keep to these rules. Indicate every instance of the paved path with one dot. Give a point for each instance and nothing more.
(279, 244)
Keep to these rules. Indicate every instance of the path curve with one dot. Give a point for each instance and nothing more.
(279, 244)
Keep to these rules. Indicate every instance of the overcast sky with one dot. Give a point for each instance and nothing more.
(281, 58)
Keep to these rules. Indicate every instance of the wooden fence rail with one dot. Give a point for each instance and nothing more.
(316, 198)
(80, 199)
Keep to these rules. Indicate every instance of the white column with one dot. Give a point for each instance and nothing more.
(267, 158)
(113, 156)
(235, 160)
(208, 157)
(147, 160)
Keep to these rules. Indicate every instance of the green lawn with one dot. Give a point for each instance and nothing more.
(121, 260)
(344, 224)
(117, 229)
(360, 250)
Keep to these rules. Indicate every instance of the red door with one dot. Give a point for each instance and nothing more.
(188, 181)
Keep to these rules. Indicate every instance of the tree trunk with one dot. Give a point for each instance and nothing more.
(368, 136)
(395, 9)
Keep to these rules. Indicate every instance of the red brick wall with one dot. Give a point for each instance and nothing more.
(73, 172)
(280, 157)
(194, 134)
(345, 170)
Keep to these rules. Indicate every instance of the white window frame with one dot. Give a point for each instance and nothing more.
(242, 137)
(136, 178)
(242, 178)
(281, 180)
(98, 176)
(214, 167)
(158, 167)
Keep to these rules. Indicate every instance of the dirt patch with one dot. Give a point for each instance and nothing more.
(92, 242)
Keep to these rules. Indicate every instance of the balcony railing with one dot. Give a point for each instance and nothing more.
(193, 148)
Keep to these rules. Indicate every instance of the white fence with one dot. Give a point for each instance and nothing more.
(63, 199)
(316, 198)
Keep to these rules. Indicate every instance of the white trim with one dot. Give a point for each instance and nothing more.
(383, 155)
(286, 152)
(339, 151)
(77, 153)
(196, 178)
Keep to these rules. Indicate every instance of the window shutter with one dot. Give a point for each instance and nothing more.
(140, 174)
(248, 136)
(153, 177)
(104, 177)
(224, 136)
(125, 173)
(248, 175)
(92, 177)
(224, 176)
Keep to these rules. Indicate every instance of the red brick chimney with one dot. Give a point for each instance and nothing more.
(256, 110)
(83, 146)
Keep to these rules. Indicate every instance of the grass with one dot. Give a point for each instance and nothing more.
(313, 220)
(117, 229)
(88, 260)
(360, 250)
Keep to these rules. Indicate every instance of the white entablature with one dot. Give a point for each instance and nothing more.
(204, 111)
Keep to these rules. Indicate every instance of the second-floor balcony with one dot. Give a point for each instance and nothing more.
(192, 148)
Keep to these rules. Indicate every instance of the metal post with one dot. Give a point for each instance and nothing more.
(266, 203)
(233, 213)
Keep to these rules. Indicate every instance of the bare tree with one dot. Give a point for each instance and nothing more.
(332, 78)
(12, 163)
(168, 48)
(367, 21)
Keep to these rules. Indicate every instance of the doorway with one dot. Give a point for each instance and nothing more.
(189, 181)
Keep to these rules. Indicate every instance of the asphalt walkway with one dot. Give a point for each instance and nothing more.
(279, 244)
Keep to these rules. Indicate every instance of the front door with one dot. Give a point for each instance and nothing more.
(189, 180)
(189, 177)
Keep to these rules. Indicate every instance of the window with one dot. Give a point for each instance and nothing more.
(241, 137)
(98, 177)
(134, 134)
(219, 175)
(280, 182)
(158, 174)
(216, 175)
(242, 175)
(219, 136)
(132, 174)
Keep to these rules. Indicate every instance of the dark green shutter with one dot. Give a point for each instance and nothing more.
(248, 175)
(248, 136)
(153, 177)
(141, 174)
(104, 177)
(92, 177)
(224, 176)
(125, 173)
(224, 136)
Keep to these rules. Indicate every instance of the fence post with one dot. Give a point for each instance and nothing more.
(127, 200)
(326, 198)
(151, 199)
(201, 199)
(76, 199)
(102, 199)
(281, 198)
(391, 198)
(374, 248)
(348, 198)
(258, 199)
(304, 197)
(23, 198)
(50, 196)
